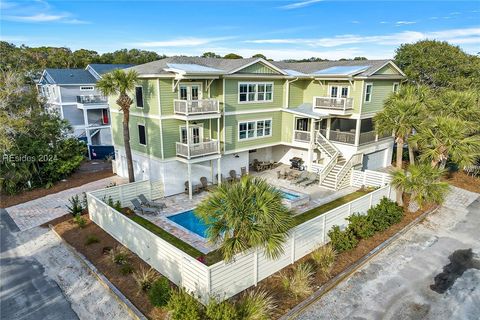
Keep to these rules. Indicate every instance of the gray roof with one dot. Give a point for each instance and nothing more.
(313, 67)
(102, 68)
(71, 76)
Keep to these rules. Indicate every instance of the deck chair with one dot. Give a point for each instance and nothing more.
(233, 176)
(204, 182)
(311, 179)
(301, 178)
(243, 171)
(147, 203)
(145, 210)
(196, 188)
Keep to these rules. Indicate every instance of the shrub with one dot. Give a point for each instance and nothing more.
(119, 255)
(159, 292)
(84, 201)
(114, 204)
(324, 258)
(385, 214)
(255, 305)
(81, 221)
(342, 240)
(75, 208)
(182, 305)
(299, 283)
(361, 226)
(144, 278)
(224, 310)
(91, 239)
(126, 268)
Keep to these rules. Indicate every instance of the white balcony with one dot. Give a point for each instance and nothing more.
(92, 102)
(196, 107)
(195, 150)
(338, 106)
(301, 136)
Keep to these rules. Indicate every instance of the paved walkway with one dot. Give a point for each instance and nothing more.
(396, 283)
(36, 212)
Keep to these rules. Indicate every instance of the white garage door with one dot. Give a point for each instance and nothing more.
(374, 160)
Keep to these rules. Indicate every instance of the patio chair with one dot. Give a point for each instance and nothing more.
(312, 178)
(301, 178)
(204, 182)
(243, 171)
(145, 210)
(147, 203)
(196, 188)
(233, 176)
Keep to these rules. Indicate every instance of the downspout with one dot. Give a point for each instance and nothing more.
(287, 100)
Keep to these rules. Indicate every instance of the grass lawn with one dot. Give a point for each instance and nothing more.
(315, 212)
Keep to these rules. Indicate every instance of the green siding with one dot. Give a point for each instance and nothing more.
(296, 93)
(258, 68)
(380, 91)
(388, 69)
(231, 96)
(287, 127)
(231, 130)
(167, 96)
(356, 94)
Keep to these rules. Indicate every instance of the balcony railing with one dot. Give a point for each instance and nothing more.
(92, 99)
(371, 136)
(302, 136)
(337, 104)
(197, 149)
(342, 136)
(196, 107)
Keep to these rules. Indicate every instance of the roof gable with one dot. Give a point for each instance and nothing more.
(258, 68)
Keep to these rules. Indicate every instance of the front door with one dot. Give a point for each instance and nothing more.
(190, 91)
(195, 134)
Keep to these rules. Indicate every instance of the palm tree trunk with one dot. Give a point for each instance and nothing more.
(126, 141)
(443, 164)
(411, 155)
(399, 152)
(399, 193)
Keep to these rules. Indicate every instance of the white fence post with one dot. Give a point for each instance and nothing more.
(255, 267)
(293, 247)
(120, 194)
(365, 177)
(209, 281)
(350, 209)
(324, 236)
(371, 200)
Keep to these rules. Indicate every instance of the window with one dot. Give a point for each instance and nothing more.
(333, 92)
(139, 96)
(254, 129)
(105, 116)
(344, 92)
(368, 92)
(396, 85)
(255, 92)
(86, 88)
(142, 135)
(338, 92)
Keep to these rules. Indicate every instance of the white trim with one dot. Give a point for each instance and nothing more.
(190, 127)
(388, 63)
(339, 86)
(256, 83)
(371, 92)
(233, 113)
(160, 125)
(261, 60)
(189, 84)
(254, 130)
(138, 132)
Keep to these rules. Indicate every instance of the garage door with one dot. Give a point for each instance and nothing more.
(374, 160)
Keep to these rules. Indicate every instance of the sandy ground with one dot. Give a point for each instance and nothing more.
(396, 283)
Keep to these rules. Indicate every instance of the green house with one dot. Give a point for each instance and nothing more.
(204, 117)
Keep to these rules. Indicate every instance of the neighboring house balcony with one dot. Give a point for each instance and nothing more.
(92, 102)
(197, 109)
(196, 150)
(337, 106)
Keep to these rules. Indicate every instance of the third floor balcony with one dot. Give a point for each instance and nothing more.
(338, 106)
(196, 107)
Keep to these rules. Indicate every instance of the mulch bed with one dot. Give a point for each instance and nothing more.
(78, 178)
(461, 180)
(286, 302)
(76, 237)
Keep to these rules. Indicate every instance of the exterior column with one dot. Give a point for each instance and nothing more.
(87, 132)
(329, 123)
(219, 171)
(357, 132)
(189, 172)
(187, 130)
(311, 146)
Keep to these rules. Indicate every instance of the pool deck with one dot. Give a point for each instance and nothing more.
(180, 202)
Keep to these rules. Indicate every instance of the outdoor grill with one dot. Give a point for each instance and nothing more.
(296, 163)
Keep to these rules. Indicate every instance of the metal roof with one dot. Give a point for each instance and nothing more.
(306, 109)
(102, 68)
(312, 68)
(190, 67)
(342, 70)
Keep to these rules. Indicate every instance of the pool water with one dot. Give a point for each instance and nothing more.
(289, 196)
(191, 222)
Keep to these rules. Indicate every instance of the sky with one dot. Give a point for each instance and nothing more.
(288, 29)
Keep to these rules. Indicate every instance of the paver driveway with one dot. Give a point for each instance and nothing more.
(396, 283)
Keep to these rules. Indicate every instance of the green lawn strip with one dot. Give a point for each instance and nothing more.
(209, 259)
(315, 212)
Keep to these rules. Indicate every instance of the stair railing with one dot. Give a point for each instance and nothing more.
(321, 139)
(354, 160)
(328, 167)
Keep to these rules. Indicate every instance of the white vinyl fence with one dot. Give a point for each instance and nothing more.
(369, 178)
(221, 279)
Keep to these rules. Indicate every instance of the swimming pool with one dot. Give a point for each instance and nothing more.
(191, 222)
(289, 196)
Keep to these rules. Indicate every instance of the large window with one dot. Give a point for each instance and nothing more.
(139, 96)
(339, 91)
(368, 92)
(255, 92)
(254, 129)
(142, 135)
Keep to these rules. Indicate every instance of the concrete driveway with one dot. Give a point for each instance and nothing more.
(414, 278)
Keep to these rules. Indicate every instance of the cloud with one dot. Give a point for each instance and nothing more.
(301, 4)
(180, 42)
(468, 35)
(404, 23)
(38, 11)
(41, 17)
(355, 21)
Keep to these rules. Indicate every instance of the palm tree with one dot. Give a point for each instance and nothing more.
(246, 214)
(400, 117)
(121, 83)
(463, 105)
(422, 181)
(440, 138)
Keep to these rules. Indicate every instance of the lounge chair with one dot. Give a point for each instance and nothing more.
(221, 177)
(233, 176)
(311, 179)
(196, 188)
(147, 203)
(301, 178)
(145, 210)
(204, 182)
